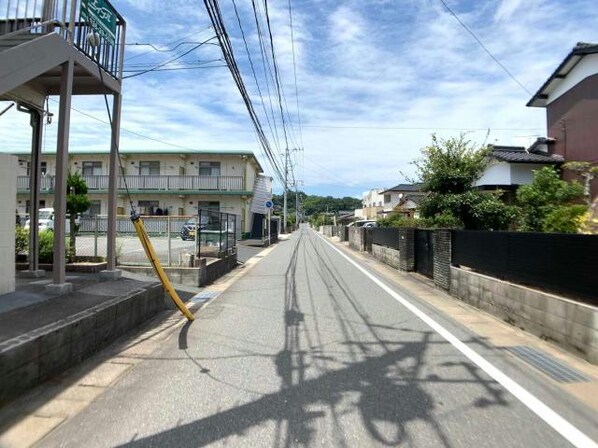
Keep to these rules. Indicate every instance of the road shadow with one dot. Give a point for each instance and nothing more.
(375, 372)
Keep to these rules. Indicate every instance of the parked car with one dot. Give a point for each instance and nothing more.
(189, 230)
(46, 220)
(363, 223)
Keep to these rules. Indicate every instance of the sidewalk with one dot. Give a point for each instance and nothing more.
(489, 328)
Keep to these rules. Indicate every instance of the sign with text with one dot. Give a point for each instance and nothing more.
(101, 16)
(262, 193)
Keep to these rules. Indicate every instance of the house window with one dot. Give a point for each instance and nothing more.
(95, 209)
(148, 207)
(386, 198)
(209, 168)
(91, 168)
(149, 168)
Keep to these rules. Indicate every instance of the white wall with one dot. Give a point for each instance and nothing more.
(523, 173)
(496, 174)
(8, 186)
(588, 66)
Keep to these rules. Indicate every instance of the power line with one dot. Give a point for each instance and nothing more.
(213, 9)
(478, 40)
(257, 84)
(295, 73)
(170, 43)
(406, 128)
(171, 60)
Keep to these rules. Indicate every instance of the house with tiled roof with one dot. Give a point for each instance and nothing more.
(570, 97)
(512, 166)
(402, 198)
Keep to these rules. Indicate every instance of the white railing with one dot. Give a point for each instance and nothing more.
(156, 182)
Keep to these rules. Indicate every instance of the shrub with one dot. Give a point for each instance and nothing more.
(21, 240)
(565, 219)
(46, 246)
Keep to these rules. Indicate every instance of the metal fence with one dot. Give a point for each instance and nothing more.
(170, 235)
(561, 263)
(217, 232)
(386, 236)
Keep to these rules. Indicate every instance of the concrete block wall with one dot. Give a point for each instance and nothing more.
(386, 255)
(32, 358)
(570, 324)
(442, 258)
(407, 249)
(357, 238)
(8, 206)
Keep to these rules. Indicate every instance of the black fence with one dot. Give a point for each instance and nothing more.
(388, 237)
(561, 263)
(424, 252)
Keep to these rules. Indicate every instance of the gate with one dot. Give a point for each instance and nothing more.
(424, 253)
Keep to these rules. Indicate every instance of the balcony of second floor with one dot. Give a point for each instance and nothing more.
(37, 36)
(150, 183)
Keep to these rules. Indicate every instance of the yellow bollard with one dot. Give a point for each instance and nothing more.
(151, 255)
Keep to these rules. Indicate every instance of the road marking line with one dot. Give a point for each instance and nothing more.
(558, 423)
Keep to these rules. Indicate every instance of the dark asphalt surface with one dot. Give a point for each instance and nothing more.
(305, 350)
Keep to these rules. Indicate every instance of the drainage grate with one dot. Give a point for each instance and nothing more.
(204, 296)
(548, 365)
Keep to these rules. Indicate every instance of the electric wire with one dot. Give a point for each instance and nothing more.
(171, 60)
(213, 9)
(295, 72)
(267, 69)
(479, 41)
(257, 84)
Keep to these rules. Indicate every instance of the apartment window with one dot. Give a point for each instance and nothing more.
(92, 168)
(209, 168)
(148, 207)
(149, 168)
(95, 208)
(209, 205)
(43, 168)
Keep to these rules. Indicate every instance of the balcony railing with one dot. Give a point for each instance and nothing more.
(150, 183)
(64, 17)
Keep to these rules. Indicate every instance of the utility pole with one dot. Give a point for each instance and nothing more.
(286, 187)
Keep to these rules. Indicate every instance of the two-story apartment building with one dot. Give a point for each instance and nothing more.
(372, 203)
(160, 182)
(570, 96)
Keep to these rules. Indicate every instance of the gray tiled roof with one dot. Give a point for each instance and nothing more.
(521, 156)
(405, 187)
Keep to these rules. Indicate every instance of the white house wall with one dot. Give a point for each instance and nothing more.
(523, 173)
(588, 66)
(496, 174)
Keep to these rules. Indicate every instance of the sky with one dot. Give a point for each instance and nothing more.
(374, 80)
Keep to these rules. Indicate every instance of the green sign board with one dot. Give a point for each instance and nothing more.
(101, 16)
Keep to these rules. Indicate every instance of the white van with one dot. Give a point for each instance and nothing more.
(46, 221)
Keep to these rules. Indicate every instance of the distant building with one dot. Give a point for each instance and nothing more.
(372, 204)
(570, 96)
(403, 199)
(160, 182)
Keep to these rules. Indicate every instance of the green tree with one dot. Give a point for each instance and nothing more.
(547, 203)
(76, 202)
(447, 171)
(588, 172)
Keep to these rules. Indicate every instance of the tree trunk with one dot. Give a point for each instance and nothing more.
(72, 242)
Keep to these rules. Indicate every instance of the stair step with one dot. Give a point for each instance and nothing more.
(14, 41)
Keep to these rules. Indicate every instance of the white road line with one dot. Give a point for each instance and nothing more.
(558, 423)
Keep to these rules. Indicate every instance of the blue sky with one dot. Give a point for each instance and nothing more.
(375, 79)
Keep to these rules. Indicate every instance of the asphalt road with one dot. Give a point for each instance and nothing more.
(308, 350)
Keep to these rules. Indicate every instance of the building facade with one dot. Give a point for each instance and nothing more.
(570, 96)
(159, 182)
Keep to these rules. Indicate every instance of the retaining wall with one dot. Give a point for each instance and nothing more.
(386, 255)
(34, 357)
(572, 325)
